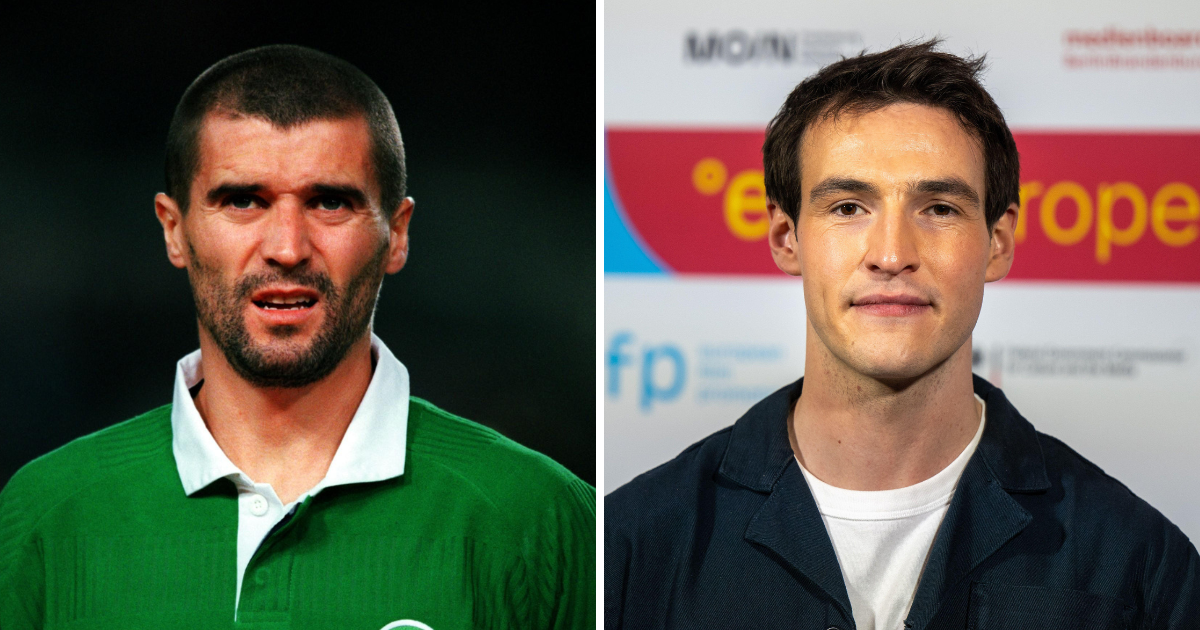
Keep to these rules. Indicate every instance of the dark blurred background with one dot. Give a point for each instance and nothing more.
(494, 314)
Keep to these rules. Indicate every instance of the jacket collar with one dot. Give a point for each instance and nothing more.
(759, 450)
(1010, 445)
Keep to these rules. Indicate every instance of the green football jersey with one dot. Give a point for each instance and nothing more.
(479, 532)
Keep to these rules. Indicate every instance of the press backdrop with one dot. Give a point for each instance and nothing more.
(1095, 334)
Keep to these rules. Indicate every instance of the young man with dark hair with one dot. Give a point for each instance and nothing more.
(890, 488)
(292, 482)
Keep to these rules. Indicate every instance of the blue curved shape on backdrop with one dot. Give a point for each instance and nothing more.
(623, 250)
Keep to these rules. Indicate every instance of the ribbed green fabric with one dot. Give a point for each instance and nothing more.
(479, 532)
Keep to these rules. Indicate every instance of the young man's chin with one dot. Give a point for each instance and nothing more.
(895, 368)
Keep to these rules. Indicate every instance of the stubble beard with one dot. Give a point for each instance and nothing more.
(348, 313)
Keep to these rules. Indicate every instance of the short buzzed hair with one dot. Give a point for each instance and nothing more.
(909, 73)
(287, 86)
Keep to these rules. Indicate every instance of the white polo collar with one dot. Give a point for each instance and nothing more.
(372, 448)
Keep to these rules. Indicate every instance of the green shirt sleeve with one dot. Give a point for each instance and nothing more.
(22, 579)
(565, 555)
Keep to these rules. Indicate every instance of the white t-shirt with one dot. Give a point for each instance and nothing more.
(882, 538)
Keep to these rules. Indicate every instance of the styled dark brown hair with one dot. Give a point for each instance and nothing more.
(909, 73)
(287, 86)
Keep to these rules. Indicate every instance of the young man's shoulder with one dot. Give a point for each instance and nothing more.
(1088, 498)
(658, 500)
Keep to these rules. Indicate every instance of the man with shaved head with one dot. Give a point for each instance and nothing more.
(890, 488)
(293, 482)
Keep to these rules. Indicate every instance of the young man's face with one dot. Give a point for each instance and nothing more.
(891, 239)
(285, 243)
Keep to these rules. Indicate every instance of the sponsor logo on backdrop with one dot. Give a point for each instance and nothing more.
(1094, 206)
(736, 47)
(1118, 48)
(996, 361)
(656, 372)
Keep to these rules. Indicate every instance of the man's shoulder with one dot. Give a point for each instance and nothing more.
(1094, 496)
(1081, 495)
(82, 470)
(94, 458)
(668, 493)
(530, 514)
(742, 453)
(1110, 529)
(445, 449)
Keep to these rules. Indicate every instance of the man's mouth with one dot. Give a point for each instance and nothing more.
(285, 300)
(896, 298)
(891, 305)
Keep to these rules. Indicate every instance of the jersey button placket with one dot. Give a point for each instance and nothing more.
(258, 505)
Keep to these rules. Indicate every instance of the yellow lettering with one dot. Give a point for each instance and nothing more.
(1161, 211)
(709, 176)
(1083, 220)
(746, 206)
(1107, 234)
(1028, 193)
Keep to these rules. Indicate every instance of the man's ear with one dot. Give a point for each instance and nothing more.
(171, 218)
(782, 237)
(1003, 245)
(398, 236)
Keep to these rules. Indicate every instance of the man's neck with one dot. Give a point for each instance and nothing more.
(286, 437)
(858, 433)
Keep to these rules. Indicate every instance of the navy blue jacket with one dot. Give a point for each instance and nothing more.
(727, 535)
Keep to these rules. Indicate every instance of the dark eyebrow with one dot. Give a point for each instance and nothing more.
(952, 186)
(350, 192)
(228, 190)
(841, 184)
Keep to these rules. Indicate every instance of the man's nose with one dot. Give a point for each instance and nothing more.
(286, 242)
(891, 244)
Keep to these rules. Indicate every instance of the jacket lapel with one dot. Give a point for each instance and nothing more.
(982, 516)
(759, 457)
(789, 525)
